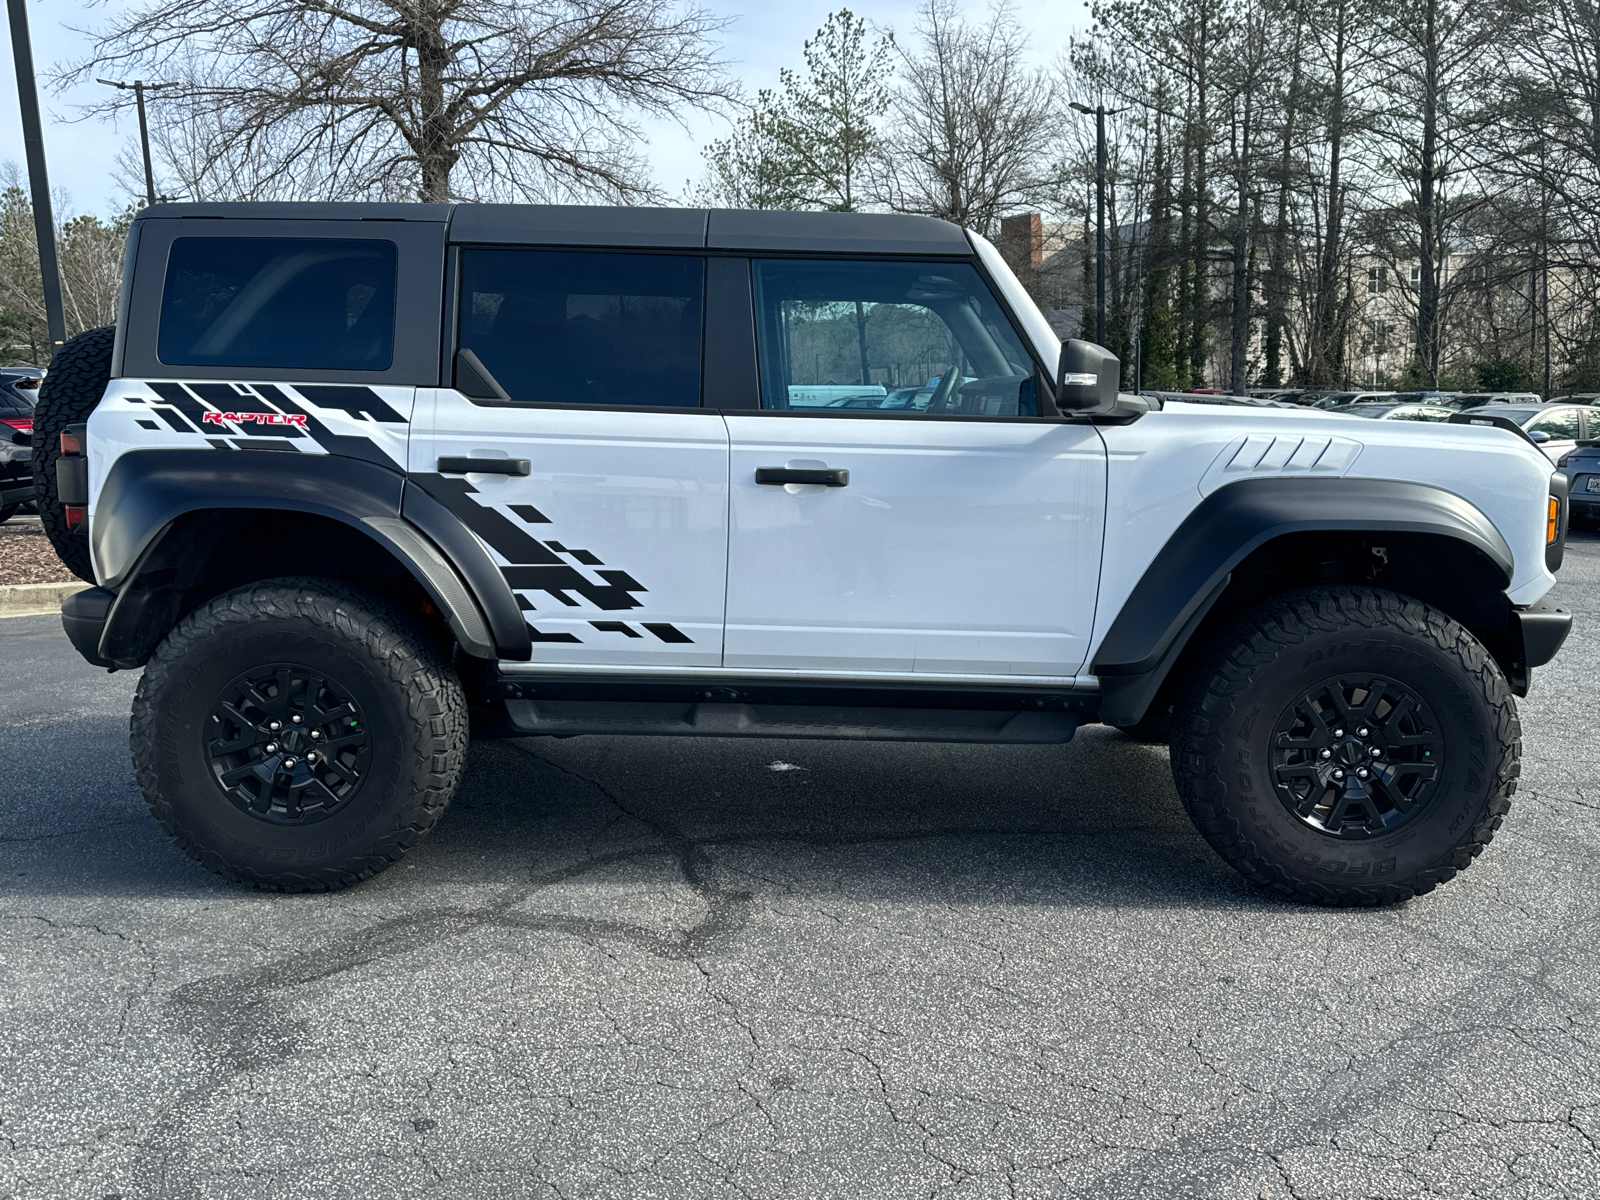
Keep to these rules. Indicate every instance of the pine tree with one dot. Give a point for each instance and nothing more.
(806, 144)
(1157, 344)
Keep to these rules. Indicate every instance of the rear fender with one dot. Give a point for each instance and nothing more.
(148, 494)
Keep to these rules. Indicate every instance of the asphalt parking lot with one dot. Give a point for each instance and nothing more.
(654, 968)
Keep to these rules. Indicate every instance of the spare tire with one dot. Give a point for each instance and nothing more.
(71, 390)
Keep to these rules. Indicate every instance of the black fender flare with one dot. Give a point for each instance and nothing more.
(1193, 568)
(147, 491)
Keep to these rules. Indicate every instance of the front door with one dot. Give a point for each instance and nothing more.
(615, 538)
(950, 530)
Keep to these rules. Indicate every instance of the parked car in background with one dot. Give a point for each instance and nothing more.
(1581, 466)
(19, 391)
(19, 388)
(1554, 428)
(1479, 399)
(1577, 398)
(1399, 412)
(1345, 399)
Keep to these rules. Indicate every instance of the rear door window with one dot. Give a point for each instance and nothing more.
(286, 303)
(579, 327)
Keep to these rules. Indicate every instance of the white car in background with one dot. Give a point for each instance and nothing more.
(1554, 428)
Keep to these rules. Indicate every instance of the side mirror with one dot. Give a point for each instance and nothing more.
(1087, 377)
(1538, 436)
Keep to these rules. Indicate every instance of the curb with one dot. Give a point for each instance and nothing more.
(35, 599)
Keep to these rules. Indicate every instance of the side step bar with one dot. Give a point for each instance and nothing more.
(691, 719)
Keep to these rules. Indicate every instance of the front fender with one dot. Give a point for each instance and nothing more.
(1191, 571)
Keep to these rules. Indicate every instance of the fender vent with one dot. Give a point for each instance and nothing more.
(1263, 454)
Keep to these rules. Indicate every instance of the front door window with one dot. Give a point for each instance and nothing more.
(892, 338)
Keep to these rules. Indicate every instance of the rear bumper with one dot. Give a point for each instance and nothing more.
(83, 616)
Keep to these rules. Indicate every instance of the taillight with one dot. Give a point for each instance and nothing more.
(20, 424)
(1552, 523)
(71, 443)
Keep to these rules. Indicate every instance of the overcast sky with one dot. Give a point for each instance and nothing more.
(82, 153)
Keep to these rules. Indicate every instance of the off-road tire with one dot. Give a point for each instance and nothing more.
(72, 388)
(1223, 741)
(411, 702)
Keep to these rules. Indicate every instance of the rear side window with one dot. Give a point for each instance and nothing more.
(289, 303)
(575, 327)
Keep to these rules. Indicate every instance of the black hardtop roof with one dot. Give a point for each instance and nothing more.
(595, 225)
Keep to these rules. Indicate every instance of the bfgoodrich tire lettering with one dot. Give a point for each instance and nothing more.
(370, 658)
(1223, 745)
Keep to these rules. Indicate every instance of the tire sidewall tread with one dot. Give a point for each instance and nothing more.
(73, 387)
(419, 690)
(1221, 737)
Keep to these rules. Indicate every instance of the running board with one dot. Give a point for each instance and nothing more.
(790, 721)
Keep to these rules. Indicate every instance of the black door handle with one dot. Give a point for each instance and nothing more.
(826, 476)
(483, 466)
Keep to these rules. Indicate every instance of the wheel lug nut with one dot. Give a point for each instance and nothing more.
(288, 762)
(274, 725)
(312, 757)
(1363, 773)
(315, 734)
(1338, 733)
(1377, 752)
(272, 747)
(1338, 774)
(297, 718)
(1327, 754)
(1362, 732)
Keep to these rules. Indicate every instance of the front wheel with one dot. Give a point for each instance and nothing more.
(1348, 746)
(298, 734)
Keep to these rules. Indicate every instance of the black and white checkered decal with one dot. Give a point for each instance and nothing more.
(362, 422)
(548, 567)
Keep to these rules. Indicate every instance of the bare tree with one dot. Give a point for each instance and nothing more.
(974, 130)
(451, 98)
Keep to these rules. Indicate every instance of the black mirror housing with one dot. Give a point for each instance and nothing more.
(1087, 378)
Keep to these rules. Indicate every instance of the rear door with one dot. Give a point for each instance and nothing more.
(600, 486)
(953, 531)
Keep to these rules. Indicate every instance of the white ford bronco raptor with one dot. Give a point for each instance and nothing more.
(358, 482)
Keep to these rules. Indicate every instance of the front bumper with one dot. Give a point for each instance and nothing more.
(1537, 633)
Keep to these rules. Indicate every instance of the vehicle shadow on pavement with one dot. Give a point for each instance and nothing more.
(654, 834)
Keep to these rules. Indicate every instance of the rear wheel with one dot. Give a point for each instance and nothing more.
(72, 389)
(298, 734)
(1348, 746)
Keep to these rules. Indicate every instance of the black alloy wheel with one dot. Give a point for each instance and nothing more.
(1347, 745)
(1356, 757)
(299, 734)
(287, 744)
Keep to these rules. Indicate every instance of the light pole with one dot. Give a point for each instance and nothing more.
(1099, 112)
(44, 224)
(139, 87)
